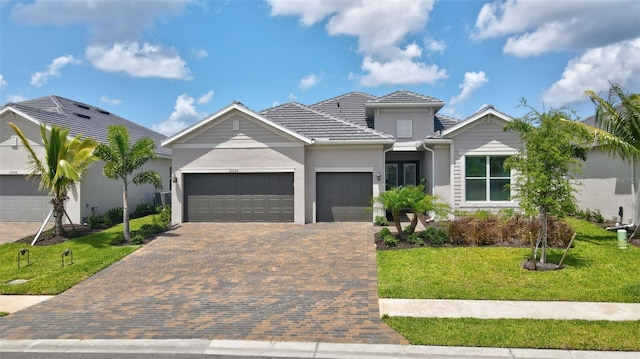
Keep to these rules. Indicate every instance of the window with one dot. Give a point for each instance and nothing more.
(486, 178)
(404, 129)
(401, 174)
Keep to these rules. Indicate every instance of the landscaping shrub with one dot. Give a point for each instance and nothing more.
(115, 215)
(415, 239)
(98, 222)
(390, 240)
(435, 235)
(597, 216)
(381, 221)
(384, 232)
(137, 239)
(163, 219)
(117, 240)
(144, 209)
(488, 229)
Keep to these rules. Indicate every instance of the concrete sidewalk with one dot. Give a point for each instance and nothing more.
(293, 349)
(497, 309)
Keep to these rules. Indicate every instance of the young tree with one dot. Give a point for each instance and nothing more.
(552, 153)
(121, 159)
(65, 162)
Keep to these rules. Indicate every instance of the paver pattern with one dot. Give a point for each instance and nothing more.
(282, 282)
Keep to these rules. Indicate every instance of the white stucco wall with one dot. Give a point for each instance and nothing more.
(347, 158)
(606, 185)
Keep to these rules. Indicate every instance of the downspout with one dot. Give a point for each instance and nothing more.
(433, 174)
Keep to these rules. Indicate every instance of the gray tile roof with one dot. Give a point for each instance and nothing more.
(315, 124)
(404, 96)
(80, 118)
(442, 122)
(350, 107)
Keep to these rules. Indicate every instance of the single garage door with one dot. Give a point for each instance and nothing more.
(238, 197)
(344, 197)
(20, 200)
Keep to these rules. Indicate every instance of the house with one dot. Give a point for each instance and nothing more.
(607, 184)
(19, 196)
(324, 162)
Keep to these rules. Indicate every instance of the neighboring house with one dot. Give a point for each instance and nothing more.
(607, 183)
(324, 162)
(20, 199)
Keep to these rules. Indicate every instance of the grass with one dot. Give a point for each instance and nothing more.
(520, 333)
(595, 270)
(46, 275)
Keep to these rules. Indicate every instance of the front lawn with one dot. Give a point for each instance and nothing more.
(45, 274)
(520, 333)
(595, 270)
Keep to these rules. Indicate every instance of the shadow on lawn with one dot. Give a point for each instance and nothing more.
(572, 260)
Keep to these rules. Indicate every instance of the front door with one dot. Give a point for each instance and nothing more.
(401, 173)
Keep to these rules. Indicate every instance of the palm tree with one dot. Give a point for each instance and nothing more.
(65, 162)
(618, 130)
(122, 158)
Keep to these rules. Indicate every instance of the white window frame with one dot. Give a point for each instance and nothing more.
(487, 179)
(404, 128)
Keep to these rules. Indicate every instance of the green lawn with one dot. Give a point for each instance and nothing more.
(595, 270)
(520, 333)
(46, 275)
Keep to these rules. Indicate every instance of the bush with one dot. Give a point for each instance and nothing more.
(138, 239)
(597, 216)
(415, 239)
(98, 222)
(384, 232)
(117, 240)
(435, 235)
(115, 215)
(144, 209)
(390, 240)
(381, 221)
(163, 219)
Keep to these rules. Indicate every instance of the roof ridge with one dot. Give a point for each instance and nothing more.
(343, 95)
(413, 93)
(346, 122)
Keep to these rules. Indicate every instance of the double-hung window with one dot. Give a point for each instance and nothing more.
(486, 179)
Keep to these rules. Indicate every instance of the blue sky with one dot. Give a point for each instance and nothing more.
(167, 64)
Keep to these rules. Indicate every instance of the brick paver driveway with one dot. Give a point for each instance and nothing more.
(225, 281)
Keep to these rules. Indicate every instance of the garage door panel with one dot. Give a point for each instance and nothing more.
(21, 200)
(245, 197)
(343, 197)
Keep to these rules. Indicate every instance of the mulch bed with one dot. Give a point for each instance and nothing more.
(47, 238)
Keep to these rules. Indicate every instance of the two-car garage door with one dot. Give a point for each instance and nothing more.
(238, 197)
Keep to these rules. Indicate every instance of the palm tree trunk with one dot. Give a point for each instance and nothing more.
(58, 211)
(396, 222)
(125, 214)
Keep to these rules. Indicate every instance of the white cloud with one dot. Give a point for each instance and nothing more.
(53, 70)
(184, 113)
(308, 82)
(292, 97)
(434, 45)
(111, 101)
(15, 98)
(108, 21)
(382, 29)
(200, 53)
(472, 81)
(3, 82)
(594, 70)
(139, 61)
(404, 70)
(206, 98)
(533, 29)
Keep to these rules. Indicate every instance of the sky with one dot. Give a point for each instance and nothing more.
(168, 64)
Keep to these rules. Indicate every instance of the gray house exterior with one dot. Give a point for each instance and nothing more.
(324, 162)
(20, 199)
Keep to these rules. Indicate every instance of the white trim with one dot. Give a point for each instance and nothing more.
(488, 112)
(15, 172)
(234, 106)
(329, 141)
(343, 169)
(236, 170)
(487, 178)
(238, 145)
